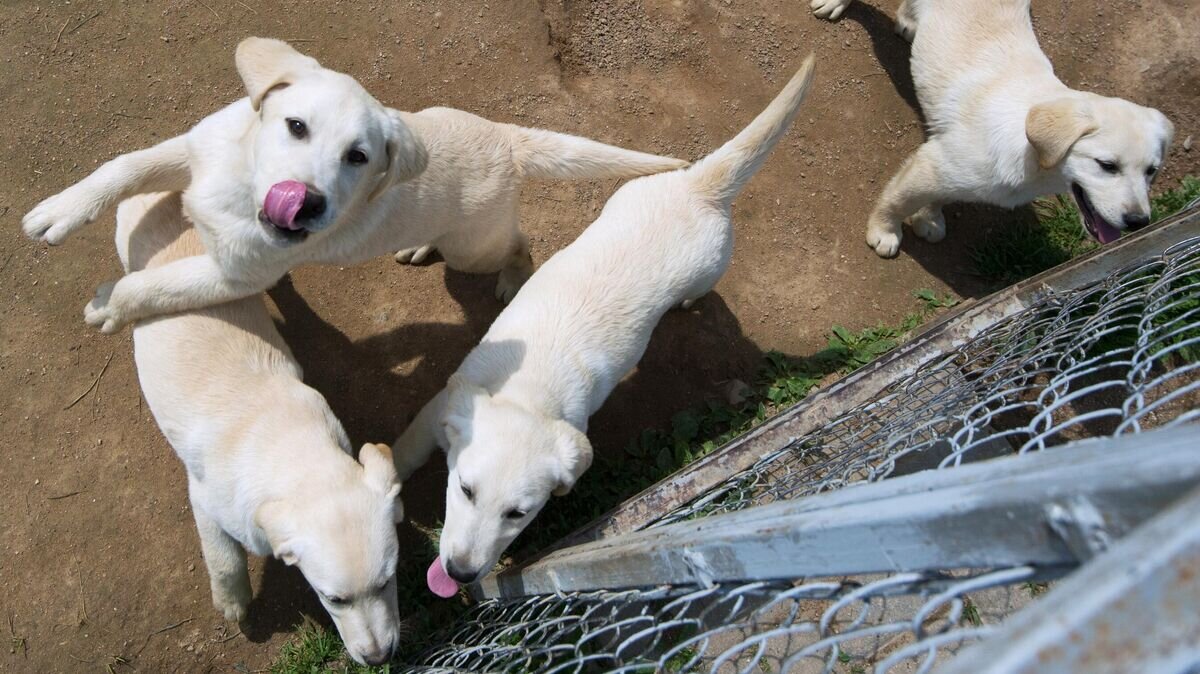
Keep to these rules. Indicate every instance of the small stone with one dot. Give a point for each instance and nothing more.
(735, 391)
(1187, 143)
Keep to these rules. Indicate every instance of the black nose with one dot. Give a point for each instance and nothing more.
(460, 574)
(313, 207)
(1135, 222)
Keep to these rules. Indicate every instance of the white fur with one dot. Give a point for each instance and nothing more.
(269, 467)
(440, 177)
(1003, 129)
(514, 415)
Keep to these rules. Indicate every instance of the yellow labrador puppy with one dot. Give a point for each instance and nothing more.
(269, 467)
(1004, 130)
(513, 417)
(310, 168)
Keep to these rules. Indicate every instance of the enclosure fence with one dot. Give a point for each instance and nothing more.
(1064, 535)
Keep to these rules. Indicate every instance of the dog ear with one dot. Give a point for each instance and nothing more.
(461, 398)
(1053, 127)
(379, 472)
(406, 156)
(275, 519)
(574, 456)
(1168, 133)
(265, 64)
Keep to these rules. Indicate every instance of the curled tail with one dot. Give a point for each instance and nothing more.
(541, 154)
(723, 173)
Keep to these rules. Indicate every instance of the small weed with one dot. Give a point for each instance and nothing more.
(1036, 589)
(971, 612)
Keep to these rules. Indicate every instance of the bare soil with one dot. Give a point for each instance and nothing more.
(101, 564)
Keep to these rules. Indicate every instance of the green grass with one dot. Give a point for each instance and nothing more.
(1016, 252)
(315, 650)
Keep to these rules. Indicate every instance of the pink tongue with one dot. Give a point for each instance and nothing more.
(283, 202)
(1105, 232)
(439, 583)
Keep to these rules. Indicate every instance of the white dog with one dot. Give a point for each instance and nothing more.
(269, 467)
(513, 416)
(310, 168)
(1004, 130)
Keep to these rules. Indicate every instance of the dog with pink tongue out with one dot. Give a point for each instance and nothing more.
(310, 168)
(513, 418)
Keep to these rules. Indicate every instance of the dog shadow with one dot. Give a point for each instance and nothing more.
(970, 230)
(892, 51)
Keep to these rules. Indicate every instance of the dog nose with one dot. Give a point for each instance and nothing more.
(1134, 222)
(313, 207)
(380, 654)
(460, 574)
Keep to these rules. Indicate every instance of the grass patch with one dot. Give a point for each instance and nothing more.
(315, 650)
(1016, 252)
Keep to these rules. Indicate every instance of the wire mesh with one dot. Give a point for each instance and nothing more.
(1116, 356)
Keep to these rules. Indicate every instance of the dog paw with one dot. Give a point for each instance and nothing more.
(929, 224)
(56, 218)
(506, 288)
(829, 9)
(885, 243)
(906, 28)
(413, 255)
(688, 303)
(101, 312)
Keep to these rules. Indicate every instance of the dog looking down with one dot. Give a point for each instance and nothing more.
(513, 417)
(1004, 130)
(309, 168)
(269, 467)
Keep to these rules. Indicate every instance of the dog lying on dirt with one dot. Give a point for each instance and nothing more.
(1004, 130)
(269, 467)
(513, 417)
(309, 168)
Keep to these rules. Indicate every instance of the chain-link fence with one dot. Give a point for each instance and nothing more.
(1107, 347)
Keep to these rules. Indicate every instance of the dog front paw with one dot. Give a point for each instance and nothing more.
(906, 29)
(413, 255)
(929, 224)
(829, 9)
(231, 597)
(56, 218)
(102, 311)
(886, 243)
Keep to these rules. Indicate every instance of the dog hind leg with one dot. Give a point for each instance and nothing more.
(411, 450)
(414, 255)
(516, 271)
(929, 223)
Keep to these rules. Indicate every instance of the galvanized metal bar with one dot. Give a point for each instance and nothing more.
(1135, 608)
(985, 515)
(939, 338)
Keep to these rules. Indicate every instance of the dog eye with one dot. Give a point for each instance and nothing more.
(356, 157)
(297, 128)
(1108, 166)
(467, 491)
(1151, 171)
(514, 514)
(337, 601)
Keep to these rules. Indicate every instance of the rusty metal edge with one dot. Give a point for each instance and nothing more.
(949, 331)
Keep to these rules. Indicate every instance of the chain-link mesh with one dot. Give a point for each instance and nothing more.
(1116, 356)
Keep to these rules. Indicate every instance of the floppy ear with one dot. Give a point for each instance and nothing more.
(1053, 127)
(574, 455)
(378, 469)
(1168, 133)
(406, 156)
(265, 64)
(275, 519)
(461, 398)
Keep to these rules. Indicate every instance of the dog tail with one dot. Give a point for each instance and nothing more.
(723, 173)
(546, 155)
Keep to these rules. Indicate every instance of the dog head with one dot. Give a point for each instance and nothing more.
(341, 534)
(324, 146)
(1108, 150)
(505, 462)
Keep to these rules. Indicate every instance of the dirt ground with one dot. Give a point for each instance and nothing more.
(101, 564)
